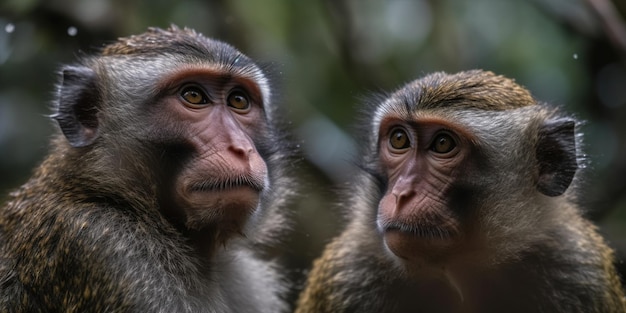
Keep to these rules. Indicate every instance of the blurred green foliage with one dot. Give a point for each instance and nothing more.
(326, 56)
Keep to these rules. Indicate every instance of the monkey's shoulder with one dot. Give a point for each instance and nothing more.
(85, 255)
(332, 287)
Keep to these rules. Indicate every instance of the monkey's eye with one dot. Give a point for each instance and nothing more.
(194, 96)
(399, 139)
(443, 143)
(238, 100)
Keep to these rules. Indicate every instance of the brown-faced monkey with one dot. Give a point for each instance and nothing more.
(466, 204)
(166, 180)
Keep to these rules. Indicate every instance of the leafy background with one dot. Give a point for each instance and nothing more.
(328, 56)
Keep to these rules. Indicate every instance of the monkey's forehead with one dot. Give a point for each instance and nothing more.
(174, 40)
(470, 89)
(168, 50)
(453, 96)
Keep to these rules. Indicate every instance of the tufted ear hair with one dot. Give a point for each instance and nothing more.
(77, 107)
(556, 156)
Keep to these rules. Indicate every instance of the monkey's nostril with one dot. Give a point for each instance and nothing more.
(241, 151)
(402, 195)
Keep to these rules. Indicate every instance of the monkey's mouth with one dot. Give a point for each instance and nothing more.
(230, 183)
(429, 232)
(235, 193)
(419, 240)
(224, 201)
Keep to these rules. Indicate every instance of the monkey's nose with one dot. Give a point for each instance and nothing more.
(402, 195)
(403, 189)
(241, 150)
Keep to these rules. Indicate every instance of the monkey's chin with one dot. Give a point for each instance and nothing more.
(416, 247)
(226, 210)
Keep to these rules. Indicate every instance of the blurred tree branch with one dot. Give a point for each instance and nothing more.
(611, 21)
(349, 41)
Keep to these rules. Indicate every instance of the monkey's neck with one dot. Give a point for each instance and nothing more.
(209, 241)
(505, 287)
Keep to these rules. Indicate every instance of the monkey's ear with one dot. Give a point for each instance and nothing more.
(556, 155)
(76, 110)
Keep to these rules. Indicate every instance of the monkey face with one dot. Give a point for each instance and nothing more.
(420, 159)
(219, 120)
(458, 159)
(226, 174)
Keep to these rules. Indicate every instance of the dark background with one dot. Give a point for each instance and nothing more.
(328, 56)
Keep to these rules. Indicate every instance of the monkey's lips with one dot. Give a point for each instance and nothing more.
(240, 191)
(422, 241)
(244, 196)
(229, 199)
(252, 182)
